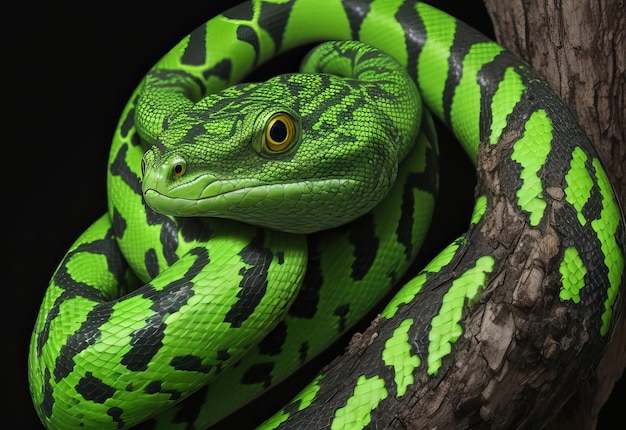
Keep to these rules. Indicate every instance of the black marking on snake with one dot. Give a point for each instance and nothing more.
(293, 407)
(490, 76)
(360, 64)
(168, 238)
(510, 177)
(152, 387)
(158, 143)
(155, 387)
(431, 137)
(428, 302)
(120, 168)
(194, 229)
(303, 352)
(222, 70)
(63, 280)
(116, 414)
(593, 206)
(422, 181)
(558, 161)
(596, 281)
(376, 91)
(362, 236)
(147, 341)
(241, 12)
(253, 284)
(190, 409)
(48, 399)
(167, 301)
(342, 311)
(414, 34)
(464, 39)
(156, 218)
(325, 106)
(169, 242)
(223, 108)
(306, 302)
(222, 355)
(190, 363)
(116, 264)
(422, 312)
(195, 131)
(119, 223)
(94, 389)
(356, 11)
(87, 334)
(151, 262)
(259, 373)
(272, 19)
(539, 96)
(273, 342)
(128, 124)
(583, 237)
(248, 35)
(195, 51)
(393, 277)
(585, 240)
(171, 78)
(294, 86)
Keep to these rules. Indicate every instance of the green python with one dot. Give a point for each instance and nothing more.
(204, 281)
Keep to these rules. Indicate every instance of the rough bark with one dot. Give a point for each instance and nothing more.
(578, 47)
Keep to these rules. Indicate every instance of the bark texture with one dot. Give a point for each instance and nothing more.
(579, 48)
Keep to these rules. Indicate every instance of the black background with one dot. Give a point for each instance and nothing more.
(68, 71)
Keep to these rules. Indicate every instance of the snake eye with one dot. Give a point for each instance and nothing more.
(280, 132)
(179, 169)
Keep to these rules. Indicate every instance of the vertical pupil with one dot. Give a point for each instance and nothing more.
(278, 131)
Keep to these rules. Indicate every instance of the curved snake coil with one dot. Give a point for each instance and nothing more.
(124, 331)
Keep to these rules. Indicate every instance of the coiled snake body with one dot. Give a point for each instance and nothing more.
(200, 281)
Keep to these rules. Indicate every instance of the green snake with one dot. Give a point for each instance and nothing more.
(252, 224)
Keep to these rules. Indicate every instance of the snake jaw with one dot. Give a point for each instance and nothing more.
(287, 207)
(215, 197)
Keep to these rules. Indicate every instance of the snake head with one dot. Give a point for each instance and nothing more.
(274, 154)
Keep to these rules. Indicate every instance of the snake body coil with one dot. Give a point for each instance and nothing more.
(200, 277)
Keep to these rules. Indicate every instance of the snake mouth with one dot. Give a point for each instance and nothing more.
(205, 196)
(228, 199)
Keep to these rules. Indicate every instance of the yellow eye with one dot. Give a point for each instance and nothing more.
(179, 169)
(280, 132)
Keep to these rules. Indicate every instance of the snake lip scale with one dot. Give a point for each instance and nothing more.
(235, 203)
(250, 225)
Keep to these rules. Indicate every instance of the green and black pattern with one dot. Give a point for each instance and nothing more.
(255, 223)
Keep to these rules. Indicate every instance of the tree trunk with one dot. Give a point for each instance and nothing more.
(578, 48)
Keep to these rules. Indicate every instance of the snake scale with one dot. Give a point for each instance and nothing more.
(251, 224)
